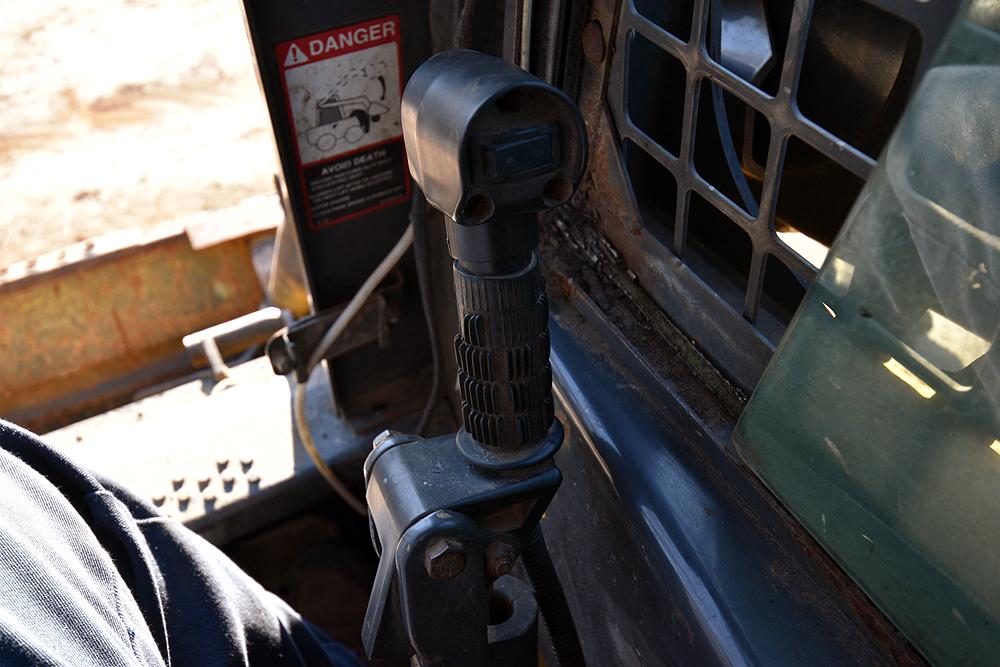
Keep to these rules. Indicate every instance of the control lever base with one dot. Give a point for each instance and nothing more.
(446, 528)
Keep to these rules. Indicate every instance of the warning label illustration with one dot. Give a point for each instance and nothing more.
(343, 91)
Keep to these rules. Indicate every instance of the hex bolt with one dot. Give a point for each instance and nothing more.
(383, 436)
(444, 559)
(500, 558)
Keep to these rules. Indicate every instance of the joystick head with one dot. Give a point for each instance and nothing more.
(487, 140)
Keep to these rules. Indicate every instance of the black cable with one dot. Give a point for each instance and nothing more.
(421, 255)
(463, 27)
(552, 601)
(722, 119)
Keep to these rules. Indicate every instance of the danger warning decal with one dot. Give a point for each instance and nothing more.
(343, 90)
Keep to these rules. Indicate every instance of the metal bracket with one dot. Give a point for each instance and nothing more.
(290, 348)
(448, 533)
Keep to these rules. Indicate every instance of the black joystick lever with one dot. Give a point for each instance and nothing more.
(490, 146)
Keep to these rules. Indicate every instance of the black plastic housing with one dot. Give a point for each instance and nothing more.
(458, 104)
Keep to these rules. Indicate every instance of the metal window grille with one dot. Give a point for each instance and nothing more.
(674, 149)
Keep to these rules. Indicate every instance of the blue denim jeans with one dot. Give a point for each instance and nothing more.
(92, 575)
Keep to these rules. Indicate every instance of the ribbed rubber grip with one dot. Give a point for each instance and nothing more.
(503, 357)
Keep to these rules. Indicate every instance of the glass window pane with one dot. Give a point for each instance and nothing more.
(878, 421)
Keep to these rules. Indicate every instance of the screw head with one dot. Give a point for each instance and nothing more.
(500, 558)
(444, 559)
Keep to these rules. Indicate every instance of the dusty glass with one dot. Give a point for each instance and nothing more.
(878, 420)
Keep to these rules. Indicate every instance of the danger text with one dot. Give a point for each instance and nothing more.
(352, 38)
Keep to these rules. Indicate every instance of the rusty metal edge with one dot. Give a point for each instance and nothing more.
(121, 244)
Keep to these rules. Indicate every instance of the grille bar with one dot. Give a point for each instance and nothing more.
(780, 110)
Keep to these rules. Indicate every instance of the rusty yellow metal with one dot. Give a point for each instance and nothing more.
(84, 329)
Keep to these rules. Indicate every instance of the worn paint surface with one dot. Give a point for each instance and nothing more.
(83, 323)
(236, 442)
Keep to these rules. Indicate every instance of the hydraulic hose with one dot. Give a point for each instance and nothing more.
(309, 444)
(722, 119)
(552, 601)
(358, 300)
(329, 338)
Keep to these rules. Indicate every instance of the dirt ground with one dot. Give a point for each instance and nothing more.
(122, 113)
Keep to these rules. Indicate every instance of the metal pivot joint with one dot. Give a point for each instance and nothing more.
(490, 146)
